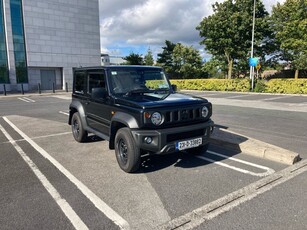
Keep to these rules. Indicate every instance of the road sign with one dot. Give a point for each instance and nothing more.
(253, 62)
(258, 66)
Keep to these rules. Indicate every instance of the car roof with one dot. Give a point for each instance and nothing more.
(110, 67)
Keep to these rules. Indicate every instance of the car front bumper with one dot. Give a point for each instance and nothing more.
(164, 141)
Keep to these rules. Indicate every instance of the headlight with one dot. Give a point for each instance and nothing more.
(156, 118)
(204, 111)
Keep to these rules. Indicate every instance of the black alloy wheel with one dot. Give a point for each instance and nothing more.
(127, 152)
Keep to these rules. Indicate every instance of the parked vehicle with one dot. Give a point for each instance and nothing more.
(137, 110)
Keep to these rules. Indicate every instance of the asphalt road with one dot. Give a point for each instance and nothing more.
(49, 181)
(276, 119)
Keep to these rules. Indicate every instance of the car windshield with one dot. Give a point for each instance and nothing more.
(135, 81)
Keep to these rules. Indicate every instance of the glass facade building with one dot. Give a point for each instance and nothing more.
(42, 40)
(19, 41)
(4, 75)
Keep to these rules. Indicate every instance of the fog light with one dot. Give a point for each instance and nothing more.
(148, 140)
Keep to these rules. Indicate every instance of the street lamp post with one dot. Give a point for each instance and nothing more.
(251, 72)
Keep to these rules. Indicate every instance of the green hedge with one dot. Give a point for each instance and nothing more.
(293, 86)
(239, 85)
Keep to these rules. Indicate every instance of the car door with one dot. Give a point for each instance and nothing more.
(98, 105)
(80, 87)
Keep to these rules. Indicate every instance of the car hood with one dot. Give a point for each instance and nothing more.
(161, 100)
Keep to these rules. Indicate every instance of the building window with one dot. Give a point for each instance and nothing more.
(4, 73)
(19, 41)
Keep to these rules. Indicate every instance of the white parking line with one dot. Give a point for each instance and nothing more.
(99, 204)
(51, 135)
(269, 171)
(39, 137)
(275, 98)
(25, 99)
(238, 96)
(64, 97)
(65, 113)
(66, 208)
(224, 204)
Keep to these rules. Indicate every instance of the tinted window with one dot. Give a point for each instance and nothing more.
(96, 80)
(125, 80)
(80, 82)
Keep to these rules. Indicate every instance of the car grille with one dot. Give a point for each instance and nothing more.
(182, 115)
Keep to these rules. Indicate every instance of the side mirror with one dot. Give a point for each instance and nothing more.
(174, 87)
(99, 93)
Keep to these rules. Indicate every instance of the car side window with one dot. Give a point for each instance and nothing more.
(96, 85)
(80, 83)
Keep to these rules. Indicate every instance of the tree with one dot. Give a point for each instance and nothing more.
(134, 59)
(187, 61)
(228, 32)
(148, 59)
(165, 59)
(214, 68)
(289, 22)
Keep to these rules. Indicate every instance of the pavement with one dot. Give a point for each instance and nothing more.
(231, 139)
(253, 146)
(249, 145)
(221, 189)
(34, 93)
(268, 101)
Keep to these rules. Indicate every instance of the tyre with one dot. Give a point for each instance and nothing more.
(77, 129)
(198, 150)
(127, 153)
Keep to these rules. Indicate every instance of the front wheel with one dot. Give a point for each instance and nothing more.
(127, 153)
(199, 150)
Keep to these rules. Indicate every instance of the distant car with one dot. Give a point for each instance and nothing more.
(137, 110)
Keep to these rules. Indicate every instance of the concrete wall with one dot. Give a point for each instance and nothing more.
(60, 34)
(35, 79)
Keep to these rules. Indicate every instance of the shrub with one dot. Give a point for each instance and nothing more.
(239, 85)
(293, 86)
(260, 86)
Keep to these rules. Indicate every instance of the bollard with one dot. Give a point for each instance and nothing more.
(4, 90)
(66, 87)
(53, 88)
(22, 91)
(39, 88)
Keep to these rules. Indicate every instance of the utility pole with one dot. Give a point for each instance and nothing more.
(251, 72)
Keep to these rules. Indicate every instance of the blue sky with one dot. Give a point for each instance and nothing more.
(128, 26)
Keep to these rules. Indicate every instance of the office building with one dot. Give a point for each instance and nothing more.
(42, 40)
(106, 60)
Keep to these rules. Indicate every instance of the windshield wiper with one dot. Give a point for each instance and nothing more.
(158, 90)
(137, 91)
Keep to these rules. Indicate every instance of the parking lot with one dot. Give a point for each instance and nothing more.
(50, 180)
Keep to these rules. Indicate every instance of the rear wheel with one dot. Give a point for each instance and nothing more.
(127, 153)
(77, 129)
(199, 150)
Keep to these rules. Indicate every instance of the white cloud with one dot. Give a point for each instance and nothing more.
(138, 24)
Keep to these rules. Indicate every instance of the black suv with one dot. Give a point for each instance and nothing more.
(137, 110)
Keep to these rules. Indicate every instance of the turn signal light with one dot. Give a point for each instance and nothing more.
(147, 115)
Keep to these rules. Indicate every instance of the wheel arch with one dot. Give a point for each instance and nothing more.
(121, 120)
(74, 107)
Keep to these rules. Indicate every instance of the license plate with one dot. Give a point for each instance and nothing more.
(189, 143)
